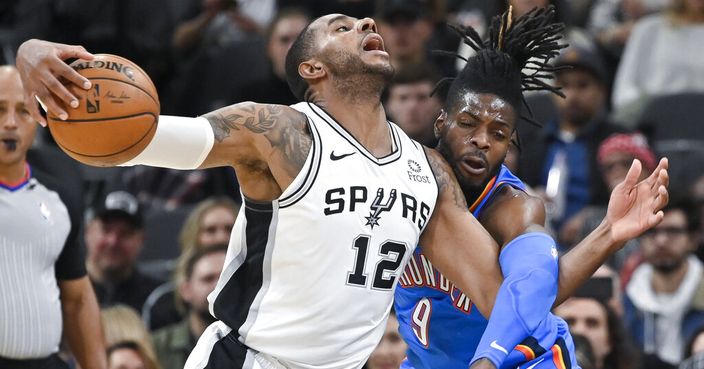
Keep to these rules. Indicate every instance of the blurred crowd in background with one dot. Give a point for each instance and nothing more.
(156, 238)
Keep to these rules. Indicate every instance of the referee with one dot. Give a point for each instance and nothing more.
(44, 290)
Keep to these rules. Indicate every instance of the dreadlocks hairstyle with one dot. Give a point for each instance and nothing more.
(515, 58)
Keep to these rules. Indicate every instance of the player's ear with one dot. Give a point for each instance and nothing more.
(440, 123)
(311, 69)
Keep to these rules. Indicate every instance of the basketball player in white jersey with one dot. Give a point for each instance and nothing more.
(336, 198)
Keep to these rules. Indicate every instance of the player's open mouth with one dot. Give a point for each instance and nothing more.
(10, 144)
(373, 42)
(474, 165)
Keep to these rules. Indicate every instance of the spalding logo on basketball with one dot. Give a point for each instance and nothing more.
(115, 119)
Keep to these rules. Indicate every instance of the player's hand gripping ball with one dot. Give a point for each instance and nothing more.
(116, 118)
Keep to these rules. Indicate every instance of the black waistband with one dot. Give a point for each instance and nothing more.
(51, 362)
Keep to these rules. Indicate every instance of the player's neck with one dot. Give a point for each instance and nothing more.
(13, 173)
(365, 119)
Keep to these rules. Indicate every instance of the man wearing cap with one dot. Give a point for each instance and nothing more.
(568, 144)
(44, 290)
(114, 236)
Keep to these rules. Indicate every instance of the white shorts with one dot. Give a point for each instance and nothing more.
(219, 348)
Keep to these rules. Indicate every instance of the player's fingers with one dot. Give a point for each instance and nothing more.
(74, 51)
(633, 174)
(34, 109)
(663, 198)
(59, 90)
(655, 219)
(654, 176)
(65, 71)
(664, 178)
(49, 103)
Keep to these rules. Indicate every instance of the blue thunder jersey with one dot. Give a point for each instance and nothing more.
(443, 328)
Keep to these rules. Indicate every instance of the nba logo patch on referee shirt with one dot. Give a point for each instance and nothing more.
(44, 210)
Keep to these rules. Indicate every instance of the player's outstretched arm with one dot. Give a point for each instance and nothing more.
(41, 64)
(266, 144)
(634, 207)
(457, 244)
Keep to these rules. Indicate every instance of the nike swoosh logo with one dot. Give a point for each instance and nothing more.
(334, 157)
(498, 347)
(533, 366)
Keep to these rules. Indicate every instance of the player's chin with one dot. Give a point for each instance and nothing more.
(377, 60)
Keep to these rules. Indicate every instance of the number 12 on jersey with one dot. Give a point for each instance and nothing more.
(384, 271)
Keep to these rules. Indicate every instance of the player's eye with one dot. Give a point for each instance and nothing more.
(342, 29)
(499, 135)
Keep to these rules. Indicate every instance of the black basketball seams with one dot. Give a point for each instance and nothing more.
(151, 128)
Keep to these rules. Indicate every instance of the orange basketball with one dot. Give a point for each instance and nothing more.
(115, 119)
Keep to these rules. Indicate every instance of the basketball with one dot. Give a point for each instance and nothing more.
(115, 119)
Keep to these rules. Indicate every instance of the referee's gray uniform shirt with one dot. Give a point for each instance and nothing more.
(34, 226)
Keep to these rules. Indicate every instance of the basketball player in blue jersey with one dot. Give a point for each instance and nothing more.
(336, 199)
(443, 328)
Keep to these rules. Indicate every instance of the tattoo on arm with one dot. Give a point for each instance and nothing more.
(243, 116)
(446, 179)
(285, 129)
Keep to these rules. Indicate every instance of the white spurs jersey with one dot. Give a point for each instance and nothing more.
(309, 278)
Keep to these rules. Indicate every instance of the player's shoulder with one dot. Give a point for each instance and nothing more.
(512, 199)
(511, 213)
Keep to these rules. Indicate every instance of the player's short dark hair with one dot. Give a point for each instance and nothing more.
(200, 253)
(513, 47)
(301, 50)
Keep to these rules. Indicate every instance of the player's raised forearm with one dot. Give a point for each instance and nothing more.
(633, 208)
(455, 242)
(584, 259)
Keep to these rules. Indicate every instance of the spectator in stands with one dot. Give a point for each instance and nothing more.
(661, 312)
(202, 269)
(318, 8)
(391, 349)
(583, 351)
(121, 323)
(698, 198)
(407, 29)
(274, 89)
(44, 290)
(568, 145)
(663, 56)
(694, 351)
(114, 237)
(409, 103)
(219, 49)
(614, 157)
(611, 22)
(209, 223)
(129, 355)
(592, 318)
(164, 189)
